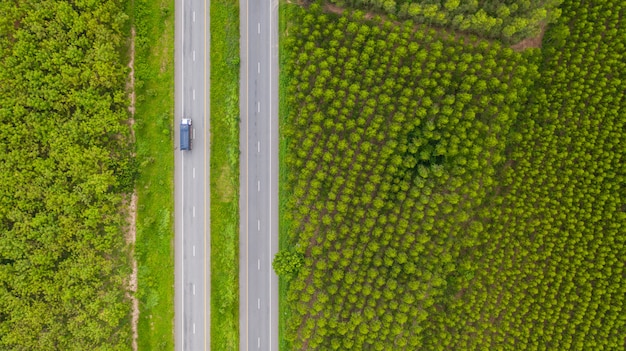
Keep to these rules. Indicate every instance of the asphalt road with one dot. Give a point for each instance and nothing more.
(192, 226)
(258, 304)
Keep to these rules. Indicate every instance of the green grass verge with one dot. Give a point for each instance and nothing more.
(283, 222)
(224, 175)
(154, 74)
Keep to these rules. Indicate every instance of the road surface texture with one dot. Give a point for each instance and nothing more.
(258, 304)
(192, 254)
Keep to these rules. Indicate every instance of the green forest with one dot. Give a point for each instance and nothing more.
(445, 191)
(509, 21)
(65, 165)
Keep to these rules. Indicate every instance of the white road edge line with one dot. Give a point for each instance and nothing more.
(258, 67)
(206, 176)
(194, 55)
(258, 27)
(258, 264)
(193, 211)
(194, 16)
(258, 106)
(182, 187)
(193, 171)
(258, 225)
(193, 249)
(270, 171)
(258, 146)
(247, 169)
(258, 185)
(194, 328)
(193, 287)
(258, 343)
(193, 93)
(258, 304)
(182, 239)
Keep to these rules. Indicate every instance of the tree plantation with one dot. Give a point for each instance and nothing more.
(509, 21)
(65, 161)
(447, 192)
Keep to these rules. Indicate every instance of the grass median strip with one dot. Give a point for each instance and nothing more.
(224, 175)
(154, 69)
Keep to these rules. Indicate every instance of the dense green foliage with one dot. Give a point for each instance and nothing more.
(454, 194)
(551, 267)
(64, 162)
(287, 263)
(394, 132)
(510, 21)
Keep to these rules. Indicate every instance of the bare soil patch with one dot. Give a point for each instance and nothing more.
(338, 10)
(534, 42)
(224, 186)
(333, 8)
(165, 53)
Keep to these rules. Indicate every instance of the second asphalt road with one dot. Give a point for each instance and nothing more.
(258, 304)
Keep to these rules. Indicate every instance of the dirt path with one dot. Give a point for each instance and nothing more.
(132, 281)
(130, 85)
(132, 208)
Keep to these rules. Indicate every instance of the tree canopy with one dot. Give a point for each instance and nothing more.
(509, 21)
(65, 161)
(451, 193)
